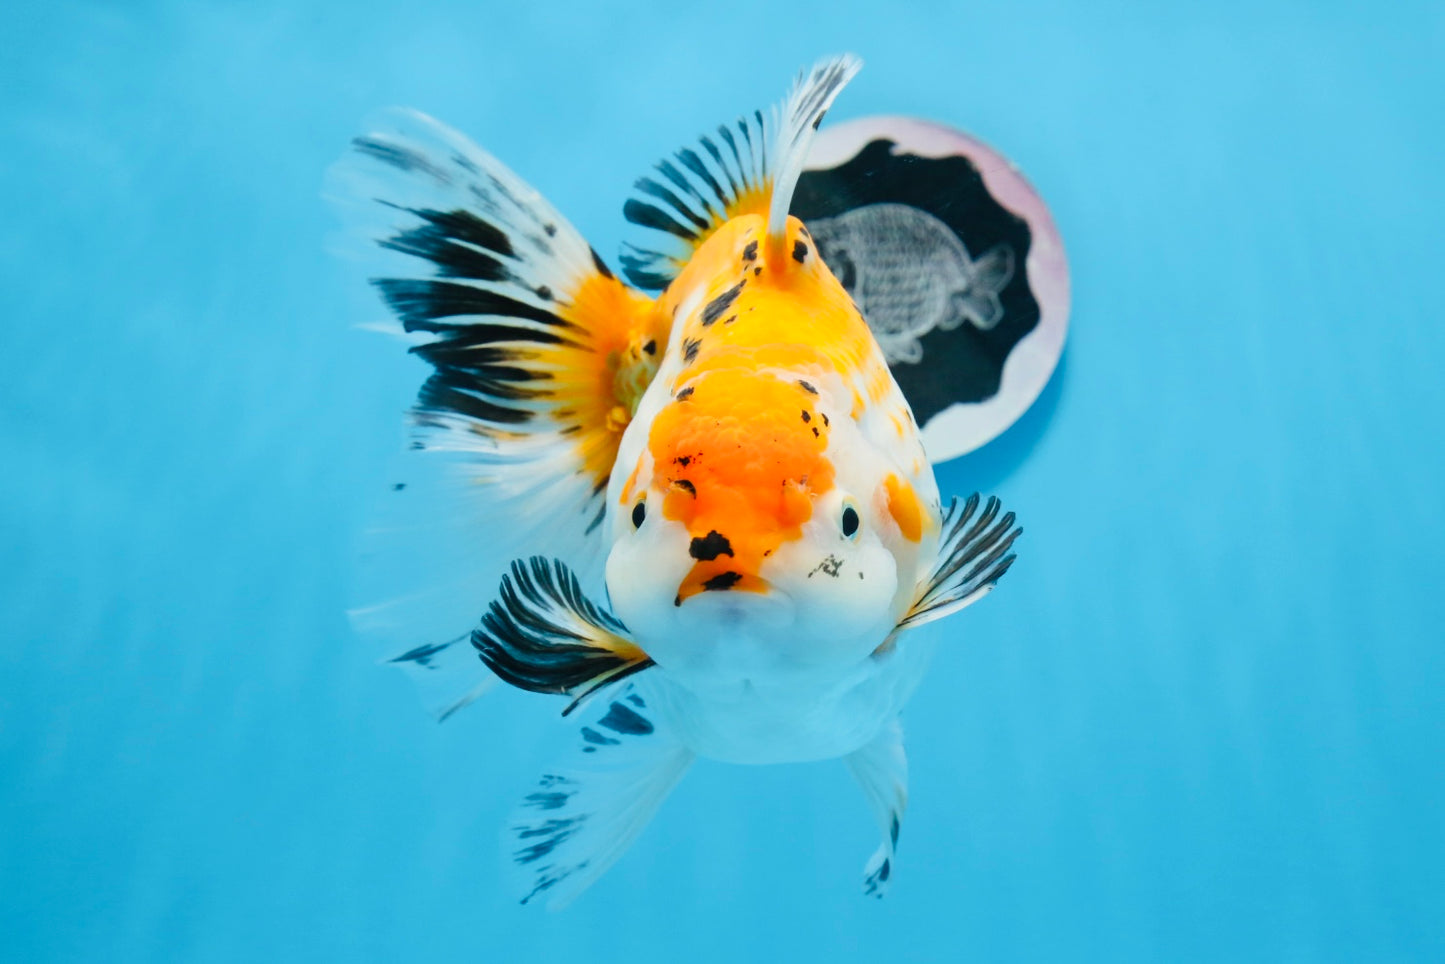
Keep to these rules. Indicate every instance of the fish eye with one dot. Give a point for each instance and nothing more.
(639, 512)
(850, 520)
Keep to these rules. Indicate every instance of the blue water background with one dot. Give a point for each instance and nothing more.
(1201, 719)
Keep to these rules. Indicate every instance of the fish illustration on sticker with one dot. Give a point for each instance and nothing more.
(725, 518)
(909, 274)
(955, 262)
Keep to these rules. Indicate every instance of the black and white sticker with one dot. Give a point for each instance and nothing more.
(954, 261)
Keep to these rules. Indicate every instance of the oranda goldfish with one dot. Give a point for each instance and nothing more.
(735, 448)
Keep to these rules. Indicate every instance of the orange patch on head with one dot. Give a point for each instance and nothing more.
(750, 448)
(904, 507)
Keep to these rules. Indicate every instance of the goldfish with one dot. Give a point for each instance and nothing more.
(738, 529)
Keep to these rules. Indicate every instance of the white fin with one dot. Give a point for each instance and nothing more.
(796, 120)
(971, 559)
(449, 675)
(516, 316)
(750, 167)
(584, 815)
(881, 769)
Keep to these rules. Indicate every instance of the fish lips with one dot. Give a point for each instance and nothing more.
(764, 607)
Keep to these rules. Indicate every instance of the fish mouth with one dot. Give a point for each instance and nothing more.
(762, 605)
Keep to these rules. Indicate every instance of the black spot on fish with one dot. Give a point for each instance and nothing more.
(710, 546)
(815, 431)
(624, 720)
(683, 460)
(730, 319)
(651, 346)
(807, 388)
(592, 736)
(689, 349)
(723, 580)
(721, 303)
(800, 252)
(757, 271)
(828, 567)
(818, 120)
(683, 396)
(806, 416)
(826, 423)
(544, 292)
(551, 229)
(750, 253)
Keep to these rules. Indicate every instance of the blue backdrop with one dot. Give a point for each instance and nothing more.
(1201, 718)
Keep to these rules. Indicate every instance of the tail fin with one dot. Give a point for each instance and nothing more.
(755, 167)
(538, 355)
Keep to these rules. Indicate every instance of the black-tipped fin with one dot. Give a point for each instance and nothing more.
(543, 634)
(748, 167)
(584, 814)
(881, 769)
(973, 554)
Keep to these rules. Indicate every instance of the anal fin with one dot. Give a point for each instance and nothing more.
(582, 816)
(881, 769)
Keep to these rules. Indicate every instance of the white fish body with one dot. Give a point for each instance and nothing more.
(736, 450)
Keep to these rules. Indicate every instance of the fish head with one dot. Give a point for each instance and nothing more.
(748, 538)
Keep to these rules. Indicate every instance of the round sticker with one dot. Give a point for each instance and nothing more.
(955, 263)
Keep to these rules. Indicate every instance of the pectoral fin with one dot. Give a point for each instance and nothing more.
(973, 554)
(542, 634)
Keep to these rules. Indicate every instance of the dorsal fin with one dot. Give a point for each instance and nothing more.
(795, 121)
(750, 167)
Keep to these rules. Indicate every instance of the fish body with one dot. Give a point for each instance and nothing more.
(772, 412)
(731, 461)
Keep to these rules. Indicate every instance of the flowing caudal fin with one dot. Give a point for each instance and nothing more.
(583, 815)
(748, 167)
(973, 554)
(881, 769)
(537, 358)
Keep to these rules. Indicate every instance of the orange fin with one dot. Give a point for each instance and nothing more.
(750, 167)
(539, 354)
